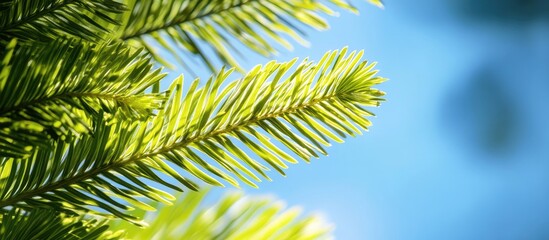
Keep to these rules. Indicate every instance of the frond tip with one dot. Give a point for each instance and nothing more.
(212, 133)
(321, 101)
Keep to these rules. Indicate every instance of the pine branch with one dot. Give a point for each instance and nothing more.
(183, 19)
(73, 82)
(121, 163)
(189, 26)
(46, 20)
(33, 16)
(316, 100)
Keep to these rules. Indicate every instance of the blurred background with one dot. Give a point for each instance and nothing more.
(461, 148)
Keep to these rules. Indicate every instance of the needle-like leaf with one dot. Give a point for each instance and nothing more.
(48, 91)
(198, 27)
(46, 20)
(217, 134)
(50, 225)
(235, 216)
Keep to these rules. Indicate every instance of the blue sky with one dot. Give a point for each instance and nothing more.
(458, 151)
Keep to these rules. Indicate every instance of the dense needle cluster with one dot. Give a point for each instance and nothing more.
(87, 135)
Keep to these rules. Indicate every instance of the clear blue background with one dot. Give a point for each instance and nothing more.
(461, 148)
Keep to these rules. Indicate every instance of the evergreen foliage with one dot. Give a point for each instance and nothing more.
(88, 136)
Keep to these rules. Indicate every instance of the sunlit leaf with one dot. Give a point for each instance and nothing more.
(235, 216)
(219, 133)
(63, 85)
(222, 27)
(48, 224)
(46, 20)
